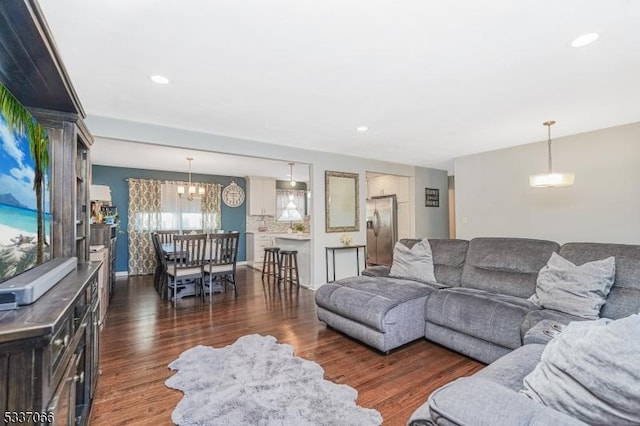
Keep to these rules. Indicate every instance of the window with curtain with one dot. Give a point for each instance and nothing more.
(283, 197)
(200, 213)
(155, 205)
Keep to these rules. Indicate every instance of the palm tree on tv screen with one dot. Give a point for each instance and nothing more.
(20, 120)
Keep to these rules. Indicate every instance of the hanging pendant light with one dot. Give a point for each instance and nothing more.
(292, 183)
(290, 212)
(191, 189)
(551, 178)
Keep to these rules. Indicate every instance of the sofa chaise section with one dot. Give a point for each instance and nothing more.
(380, 312)
(386, 312)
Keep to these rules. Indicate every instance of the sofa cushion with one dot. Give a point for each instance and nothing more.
(448, 258)
(576, 290)
(506, 265)
(415, 263)
(624, 297)
(368, 299)
(590, 371)
(510, 369)
(495, 318)
(377, 271)
(477, 401)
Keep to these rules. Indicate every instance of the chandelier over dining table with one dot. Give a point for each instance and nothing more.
(192, 189)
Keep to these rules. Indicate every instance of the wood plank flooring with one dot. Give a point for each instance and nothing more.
(143, 334)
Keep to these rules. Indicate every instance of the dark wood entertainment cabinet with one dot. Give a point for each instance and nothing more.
(49, 349)
(49, 353)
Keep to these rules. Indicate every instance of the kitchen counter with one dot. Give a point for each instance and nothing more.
(302, 245)
(258, 241)
(299, 237)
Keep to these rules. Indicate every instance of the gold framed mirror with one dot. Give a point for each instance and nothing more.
(342, 201)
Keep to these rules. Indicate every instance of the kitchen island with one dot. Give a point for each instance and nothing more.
(302, 244)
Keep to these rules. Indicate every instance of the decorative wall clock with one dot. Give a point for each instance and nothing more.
(233, 195)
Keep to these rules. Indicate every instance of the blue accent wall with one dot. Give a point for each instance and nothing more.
(233, 218)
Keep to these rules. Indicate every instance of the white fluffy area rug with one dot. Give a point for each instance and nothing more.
(257, 381)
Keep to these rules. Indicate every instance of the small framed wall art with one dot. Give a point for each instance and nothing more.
(431, 197)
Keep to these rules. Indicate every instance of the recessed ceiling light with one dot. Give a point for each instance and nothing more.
(362, 128)
(585, 39)
(159, 79)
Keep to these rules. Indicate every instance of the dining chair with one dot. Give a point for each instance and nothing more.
(221, 261)
(158, 277)
(165, 237)
(188, 261)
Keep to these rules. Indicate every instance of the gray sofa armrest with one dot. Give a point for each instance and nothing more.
(479, 402)
(377, 271)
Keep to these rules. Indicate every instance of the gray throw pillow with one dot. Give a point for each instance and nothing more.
(415, 263)
(576, 290)
(591, 372)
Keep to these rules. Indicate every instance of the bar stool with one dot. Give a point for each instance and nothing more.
(289, 267)
(271, 263)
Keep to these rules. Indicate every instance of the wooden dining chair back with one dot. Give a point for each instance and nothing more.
(189, 252)
(165, 236)
(222, 255)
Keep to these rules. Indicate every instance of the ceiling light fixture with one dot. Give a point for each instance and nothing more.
(550, 179)
(362, 129)
(159, 79)
(585, 39)
(192, 188)
(292, 183)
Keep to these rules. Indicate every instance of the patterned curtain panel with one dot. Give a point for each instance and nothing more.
(144, 218)
(210, 205)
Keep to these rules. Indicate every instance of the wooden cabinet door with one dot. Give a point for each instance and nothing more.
(262, 196)
(375, 187)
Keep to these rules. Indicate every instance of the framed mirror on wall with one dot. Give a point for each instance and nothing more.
(342, 201)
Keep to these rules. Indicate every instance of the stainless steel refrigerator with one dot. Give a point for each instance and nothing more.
(382, 229)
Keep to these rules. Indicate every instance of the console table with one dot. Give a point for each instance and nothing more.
(333, 250)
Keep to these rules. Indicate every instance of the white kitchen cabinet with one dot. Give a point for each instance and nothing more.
(382, 185)
(256, 243)
(389, 185)
(262, 196)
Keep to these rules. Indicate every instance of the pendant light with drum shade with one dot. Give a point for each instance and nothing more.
(551, 179)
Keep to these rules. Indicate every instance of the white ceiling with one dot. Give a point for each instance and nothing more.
(433, 80)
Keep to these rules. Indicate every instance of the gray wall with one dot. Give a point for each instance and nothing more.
(493, 197)
(431, 222)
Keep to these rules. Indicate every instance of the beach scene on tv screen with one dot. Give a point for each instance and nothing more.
(23, 206)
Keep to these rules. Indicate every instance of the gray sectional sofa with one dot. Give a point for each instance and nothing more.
(478, 307)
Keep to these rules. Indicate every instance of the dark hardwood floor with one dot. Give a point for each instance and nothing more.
(143, 334)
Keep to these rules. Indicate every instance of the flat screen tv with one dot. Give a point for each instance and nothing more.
(25, 214)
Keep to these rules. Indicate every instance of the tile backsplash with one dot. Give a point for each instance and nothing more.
(269, 224)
